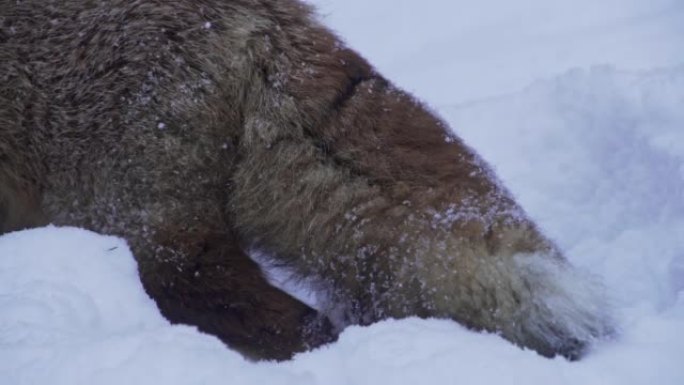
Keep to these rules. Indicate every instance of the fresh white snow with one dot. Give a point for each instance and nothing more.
(578, 105)
(451, 51)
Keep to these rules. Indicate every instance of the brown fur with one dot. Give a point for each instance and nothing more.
(196, 128)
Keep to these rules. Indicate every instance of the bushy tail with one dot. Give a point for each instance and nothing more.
(549, 305)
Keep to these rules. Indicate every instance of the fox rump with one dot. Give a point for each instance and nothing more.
(198, 129)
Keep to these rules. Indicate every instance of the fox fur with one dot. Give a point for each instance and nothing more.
(197, 129)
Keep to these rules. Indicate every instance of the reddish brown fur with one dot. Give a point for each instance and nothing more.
(224, 293)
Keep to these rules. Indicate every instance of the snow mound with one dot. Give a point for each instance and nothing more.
(74, 312)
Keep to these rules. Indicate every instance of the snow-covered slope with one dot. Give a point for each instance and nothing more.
(451, 51)
(595, 154)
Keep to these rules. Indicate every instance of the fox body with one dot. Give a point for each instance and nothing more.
(197, 129)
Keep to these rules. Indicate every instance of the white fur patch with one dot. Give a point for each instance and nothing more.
(564, 301)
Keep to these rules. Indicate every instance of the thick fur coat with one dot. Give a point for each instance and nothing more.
(196, 129)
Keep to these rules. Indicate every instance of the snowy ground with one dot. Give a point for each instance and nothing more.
(579, 107)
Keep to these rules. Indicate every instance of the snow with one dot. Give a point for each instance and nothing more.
(578, 107)
(449, 52)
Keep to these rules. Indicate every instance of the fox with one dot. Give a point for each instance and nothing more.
(200, 130)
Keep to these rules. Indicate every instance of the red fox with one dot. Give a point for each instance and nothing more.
(198, 129)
